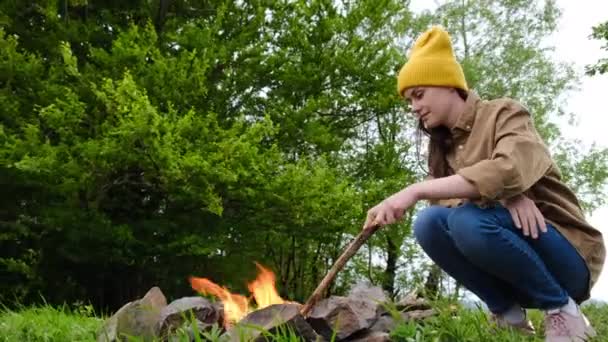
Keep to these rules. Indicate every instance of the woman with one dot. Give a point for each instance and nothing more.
(503, 224)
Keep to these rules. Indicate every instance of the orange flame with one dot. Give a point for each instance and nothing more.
(263, 288)
(237, 306)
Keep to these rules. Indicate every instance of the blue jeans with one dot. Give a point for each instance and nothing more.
(483, 250)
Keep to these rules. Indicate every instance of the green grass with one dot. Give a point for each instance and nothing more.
(472, 325)
(48, 324)
(51, 324)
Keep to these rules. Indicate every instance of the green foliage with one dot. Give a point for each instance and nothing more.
(599, 317)
(600, 32)
(585, 172)
(46, 323)
(497, 42)
(142, 142)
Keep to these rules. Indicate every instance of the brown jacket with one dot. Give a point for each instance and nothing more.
(497, 148)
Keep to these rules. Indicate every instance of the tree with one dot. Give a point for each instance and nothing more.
(145, 142)
(600, 32)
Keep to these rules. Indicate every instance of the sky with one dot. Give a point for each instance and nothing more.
(572, 44)
(588, 103)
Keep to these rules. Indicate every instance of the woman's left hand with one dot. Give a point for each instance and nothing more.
(391, 209)
(526, 215)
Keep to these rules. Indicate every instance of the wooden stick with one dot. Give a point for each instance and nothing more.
(352, 248)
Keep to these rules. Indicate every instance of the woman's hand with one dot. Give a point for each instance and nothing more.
(526, 215)
(391, 209)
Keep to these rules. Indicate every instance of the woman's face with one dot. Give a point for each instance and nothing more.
(434, 106)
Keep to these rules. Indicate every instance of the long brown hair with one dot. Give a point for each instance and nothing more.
(440, 144)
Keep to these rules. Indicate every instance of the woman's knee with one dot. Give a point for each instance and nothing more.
(467, 228)
(429, 222)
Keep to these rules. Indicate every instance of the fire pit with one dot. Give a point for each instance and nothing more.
(359, 316)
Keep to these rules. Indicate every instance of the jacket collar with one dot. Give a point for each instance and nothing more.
(467, 117)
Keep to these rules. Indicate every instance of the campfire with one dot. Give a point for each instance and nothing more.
(236, 306)
(360, 316)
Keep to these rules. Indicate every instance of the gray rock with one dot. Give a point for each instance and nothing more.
(155, 298)
(342, 316)
(418, 315)
(108, 332)
(385, 323)
(365, 291)
(182, 310)
(413, 302)
(272, 319)
(137, 318)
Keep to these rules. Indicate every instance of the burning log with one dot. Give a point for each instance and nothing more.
(271, 320)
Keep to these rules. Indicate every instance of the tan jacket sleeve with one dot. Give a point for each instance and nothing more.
(519, 160)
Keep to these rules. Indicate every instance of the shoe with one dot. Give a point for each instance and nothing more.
(525, 327)
(561, 326)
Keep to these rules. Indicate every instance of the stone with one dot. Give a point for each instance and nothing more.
(182, 310)
(137, 318)
(342, 316)
(365, 291)
(108, 332)
(155, 298)
(272, 319)
(412, 302)
(385, 323)
(418, 315)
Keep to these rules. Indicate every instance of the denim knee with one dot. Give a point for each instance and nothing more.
(467, 229)
(427, 224)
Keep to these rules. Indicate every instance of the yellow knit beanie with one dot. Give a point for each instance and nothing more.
(432, 63)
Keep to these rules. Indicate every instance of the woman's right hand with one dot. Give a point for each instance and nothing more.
(391, 209)
(526, 215)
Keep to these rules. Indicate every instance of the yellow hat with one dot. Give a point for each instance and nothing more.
(432, 63)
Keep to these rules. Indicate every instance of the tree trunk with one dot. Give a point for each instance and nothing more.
(388, 281)
(163, 8)
(433, 282)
